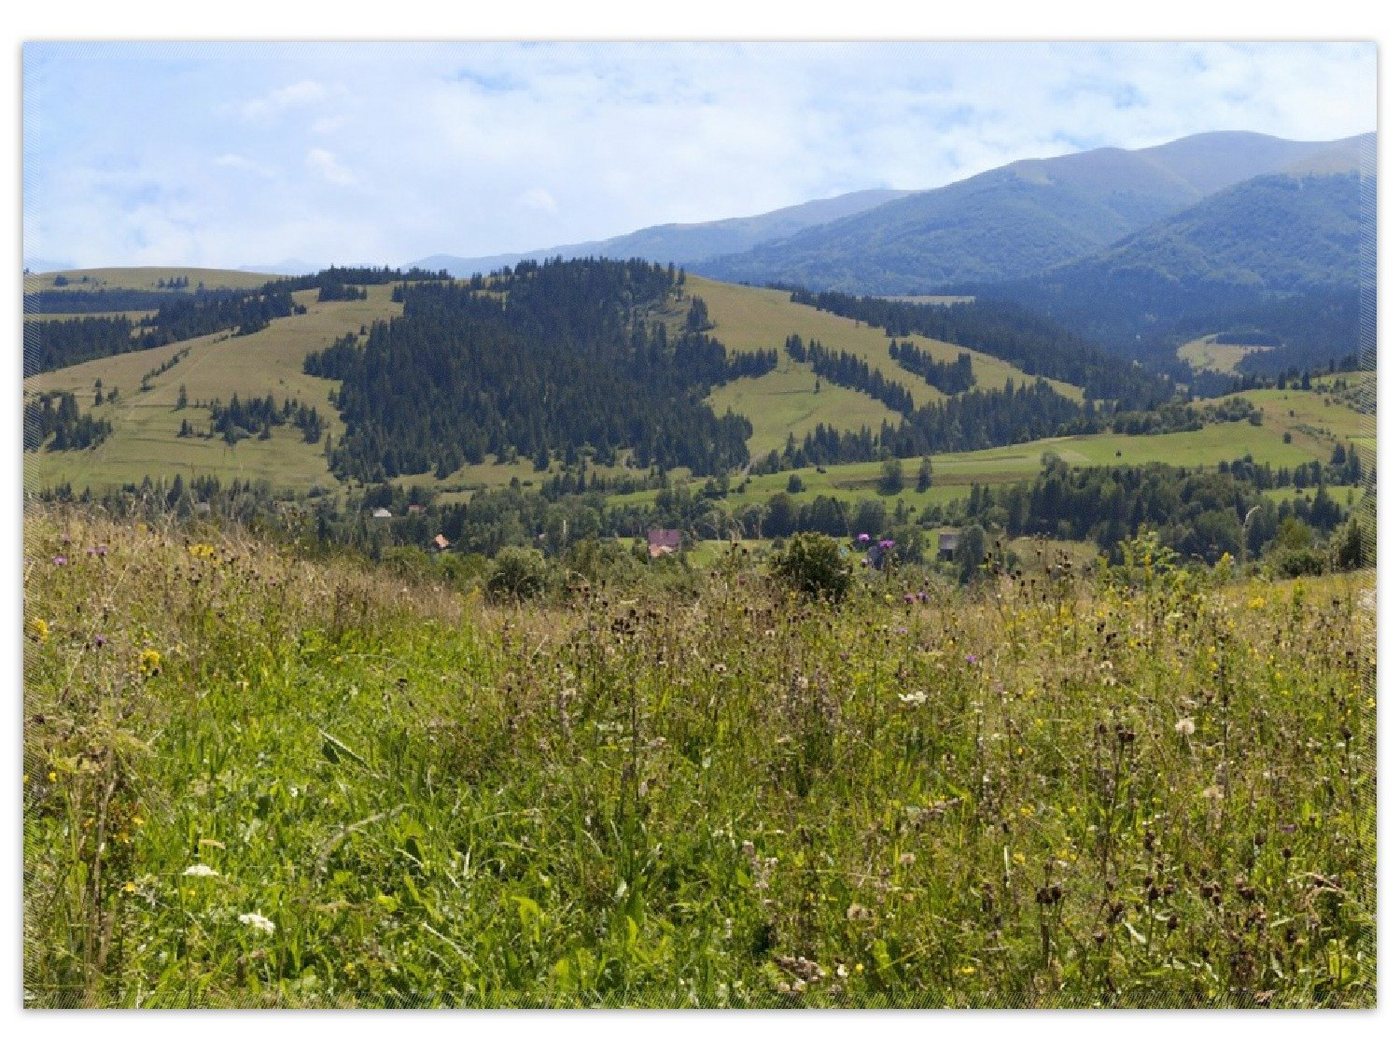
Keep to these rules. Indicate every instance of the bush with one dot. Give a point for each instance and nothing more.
(814, 565)
(517, 572)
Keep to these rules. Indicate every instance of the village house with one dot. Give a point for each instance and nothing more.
(663, 541)
(948, 545)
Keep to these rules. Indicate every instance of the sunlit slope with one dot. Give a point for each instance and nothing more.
(1315, 421)
(784, 402)
(144, 278)
(146, 422)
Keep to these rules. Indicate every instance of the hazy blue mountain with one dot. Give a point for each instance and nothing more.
(1291, 252)
(1019, 219)
(684, 243)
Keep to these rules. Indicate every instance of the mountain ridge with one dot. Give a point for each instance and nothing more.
(682, 243)
(1020, 219)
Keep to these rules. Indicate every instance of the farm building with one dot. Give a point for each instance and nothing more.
(948, 545)
(439, 544)
(663, 541)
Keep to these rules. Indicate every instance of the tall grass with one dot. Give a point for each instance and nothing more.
(254, 780)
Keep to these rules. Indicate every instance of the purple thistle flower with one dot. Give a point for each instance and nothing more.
(886, 545)
(971, 659)
(59, 559)
(864, 537)
(922, 596)
(99, 641)
(908, 599)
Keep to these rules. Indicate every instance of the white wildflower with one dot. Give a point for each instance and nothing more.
(915, 699)
(201, 871)
(258, 922)
(1186, 727)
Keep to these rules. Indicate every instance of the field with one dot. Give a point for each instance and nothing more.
(144, 440)
(786, 401)
(1205, 354)
(145, 278)
(254, 780)
(1314, 426)
(760, 318)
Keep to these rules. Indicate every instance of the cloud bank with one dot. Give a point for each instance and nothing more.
(245, 153)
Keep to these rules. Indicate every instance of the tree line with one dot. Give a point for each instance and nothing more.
(56, 416)
(949, 377)
(1031, 342)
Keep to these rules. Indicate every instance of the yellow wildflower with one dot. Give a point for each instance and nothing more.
(41, 629)
(150, 663)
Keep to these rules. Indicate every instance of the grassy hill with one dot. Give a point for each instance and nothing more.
(143, 278)
(784, 402)
(145, 423)
(789, 400)
(1314, 422)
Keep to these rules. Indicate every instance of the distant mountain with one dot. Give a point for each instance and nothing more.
(1288, 253)
(685, 243)
(1016, 220)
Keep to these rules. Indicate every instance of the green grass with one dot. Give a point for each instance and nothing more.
(145, 278)
(783, 402)
(1315, 426)
(787, 402)
(763, 318)
(257, 781)
(1205, 354)
(145, 423)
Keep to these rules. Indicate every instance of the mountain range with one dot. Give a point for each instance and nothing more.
(1007, 224)
(1013, 221)
(684, 243)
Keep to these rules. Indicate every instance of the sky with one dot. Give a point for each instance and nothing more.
(300, 155)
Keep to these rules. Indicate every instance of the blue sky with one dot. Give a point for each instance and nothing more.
(239, 154)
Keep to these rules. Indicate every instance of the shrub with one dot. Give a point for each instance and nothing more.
(814, 565)
(517, 572)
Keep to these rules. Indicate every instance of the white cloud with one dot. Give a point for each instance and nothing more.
(323, 163)
(241, 163)
(302, 93)
(539, 199)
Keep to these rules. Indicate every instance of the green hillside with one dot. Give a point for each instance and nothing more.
(787, 401)
(791, 400)
(146, 422)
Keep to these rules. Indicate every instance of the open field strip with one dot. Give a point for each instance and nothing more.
(762, 318)
(145, 423)
(145, 278)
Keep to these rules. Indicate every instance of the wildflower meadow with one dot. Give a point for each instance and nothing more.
(258, 779)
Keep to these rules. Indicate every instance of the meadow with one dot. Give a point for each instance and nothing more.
(254, 778)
